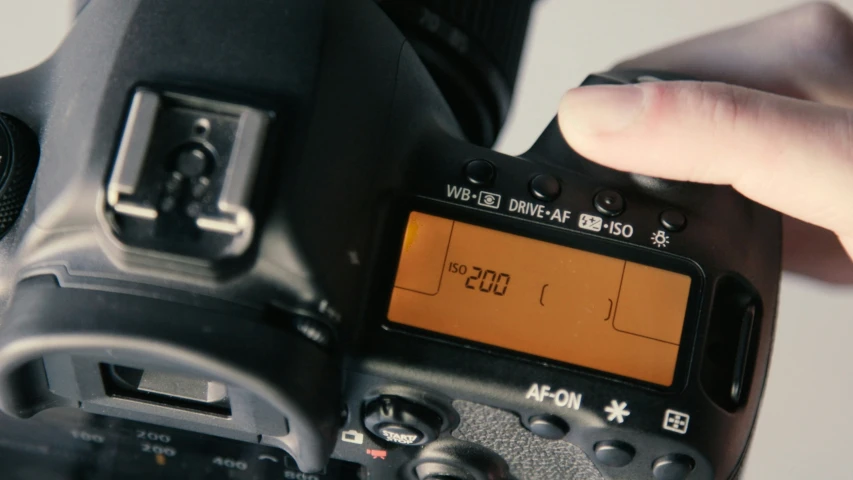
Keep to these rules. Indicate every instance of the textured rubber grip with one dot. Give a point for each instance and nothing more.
(19, 148)
(530, 457)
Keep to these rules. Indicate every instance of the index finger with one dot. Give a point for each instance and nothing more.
(791, 155)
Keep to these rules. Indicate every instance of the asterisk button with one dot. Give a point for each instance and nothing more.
(617, 411)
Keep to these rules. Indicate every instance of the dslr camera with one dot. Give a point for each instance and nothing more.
(267, 239)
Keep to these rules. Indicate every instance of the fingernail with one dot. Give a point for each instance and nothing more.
(601, 108)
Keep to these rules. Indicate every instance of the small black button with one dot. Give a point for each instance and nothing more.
(673, 467)
(614, 453)
(480, 172)
(545, 187)
(609, 202)
(673, 220)
(548, 426)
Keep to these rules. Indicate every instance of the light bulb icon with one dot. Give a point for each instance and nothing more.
(660, 239)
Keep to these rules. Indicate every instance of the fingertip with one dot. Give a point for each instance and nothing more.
(589, 115)
(601, 109)
(563, 118)
(569, 123)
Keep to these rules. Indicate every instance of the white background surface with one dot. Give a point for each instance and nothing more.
(803, 430)
(804, 426)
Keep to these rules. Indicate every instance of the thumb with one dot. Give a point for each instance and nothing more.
(791, 155)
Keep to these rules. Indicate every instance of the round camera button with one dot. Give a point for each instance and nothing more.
(673, 467)
(545, 187)
(480, 172)
(609, 202)
(614, 453)
(548, 426)
(673, 220)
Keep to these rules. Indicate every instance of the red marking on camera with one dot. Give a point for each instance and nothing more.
(378, 454)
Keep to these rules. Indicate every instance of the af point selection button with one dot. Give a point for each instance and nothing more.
(672, 467)
(401, 421)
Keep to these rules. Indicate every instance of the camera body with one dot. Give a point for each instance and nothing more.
(262, 222)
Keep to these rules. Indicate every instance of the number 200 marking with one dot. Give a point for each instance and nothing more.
(153, 436)
(490, 280)
(159, 450)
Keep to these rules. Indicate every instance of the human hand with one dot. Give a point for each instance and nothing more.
(783, 137)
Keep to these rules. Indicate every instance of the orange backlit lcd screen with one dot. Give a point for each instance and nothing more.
(539, 298)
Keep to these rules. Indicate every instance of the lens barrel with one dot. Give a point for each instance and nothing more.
(18, 160)
(472, 50)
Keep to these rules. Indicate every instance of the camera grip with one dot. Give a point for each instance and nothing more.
(529, 456)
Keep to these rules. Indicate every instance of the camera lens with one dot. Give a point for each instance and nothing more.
(18, 158)
(472, 50)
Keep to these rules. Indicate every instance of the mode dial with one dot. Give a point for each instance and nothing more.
(18, 160)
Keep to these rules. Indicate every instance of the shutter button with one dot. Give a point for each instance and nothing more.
(396, 420)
